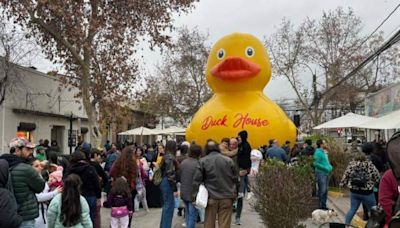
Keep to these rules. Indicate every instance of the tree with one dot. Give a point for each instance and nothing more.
(328, 48)
(95, 40)
(15, 50)
(179, 87)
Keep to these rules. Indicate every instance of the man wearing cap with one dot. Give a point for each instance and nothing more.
(25, 180)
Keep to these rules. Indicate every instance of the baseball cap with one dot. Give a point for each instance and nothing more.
(20, 142)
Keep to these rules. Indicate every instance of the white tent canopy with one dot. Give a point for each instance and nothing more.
(349, 120)
(139, 131)
(173, 130)
(389, 121)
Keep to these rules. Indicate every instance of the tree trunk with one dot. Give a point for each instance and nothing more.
(90, 108)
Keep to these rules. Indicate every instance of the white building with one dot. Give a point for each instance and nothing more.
(39, 106)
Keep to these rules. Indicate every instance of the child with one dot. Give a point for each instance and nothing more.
(40, 153)
(44, 197)
(55, 178)
(255, 157)
(120, 200)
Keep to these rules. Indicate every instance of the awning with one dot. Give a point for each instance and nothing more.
(389, 121)
(350, 120)
(138, 131)
(26, 126)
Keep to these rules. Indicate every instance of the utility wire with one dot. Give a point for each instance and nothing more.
(380, 25)
(393, 40)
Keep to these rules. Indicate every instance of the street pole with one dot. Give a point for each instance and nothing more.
(70, 134)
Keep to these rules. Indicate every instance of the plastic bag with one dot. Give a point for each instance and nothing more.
(202, 197)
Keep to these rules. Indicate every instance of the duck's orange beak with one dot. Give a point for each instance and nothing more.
(234, 68)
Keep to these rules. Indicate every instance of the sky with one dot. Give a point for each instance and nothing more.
(262, 17)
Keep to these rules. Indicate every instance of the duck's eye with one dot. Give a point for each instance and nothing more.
(221, 53)
(249, 51)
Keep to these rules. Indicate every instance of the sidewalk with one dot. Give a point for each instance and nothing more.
(341, 203)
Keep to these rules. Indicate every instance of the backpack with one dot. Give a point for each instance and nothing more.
(359, 178)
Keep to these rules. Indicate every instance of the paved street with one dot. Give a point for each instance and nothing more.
(141, 219)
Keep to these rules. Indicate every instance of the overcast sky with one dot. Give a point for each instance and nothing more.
(261, 17)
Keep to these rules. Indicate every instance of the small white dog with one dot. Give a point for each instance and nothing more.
(320, 216)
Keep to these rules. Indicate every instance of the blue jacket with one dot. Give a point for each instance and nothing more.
(277, 152)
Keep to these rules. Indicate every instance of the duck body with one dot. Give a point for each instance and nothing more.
(237, 70)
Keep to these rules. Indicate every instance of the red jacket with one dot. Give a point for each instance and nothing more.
(388, 193)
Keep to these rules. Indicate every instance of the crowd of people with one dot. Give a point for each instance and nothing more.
(40, 187)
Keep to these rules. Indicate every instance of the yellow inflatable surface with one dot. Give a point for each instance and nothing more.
(238, 69)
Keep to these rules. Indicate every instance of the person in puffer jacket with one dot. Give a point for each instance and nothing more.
(8, 206)
(360, 177)
(25, 180)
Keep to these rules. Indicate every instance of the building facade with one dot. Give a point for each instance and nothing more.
(39, 106)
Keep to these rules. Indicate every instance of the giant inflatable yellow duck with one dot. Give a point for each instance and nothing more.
(238, 69)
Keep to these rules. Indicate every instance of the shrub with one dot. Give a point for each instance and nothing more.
(283, 193)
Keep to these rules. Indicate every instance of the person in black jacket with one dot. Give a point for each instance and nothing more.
(90, 181)
(8, 206)
(244, 164)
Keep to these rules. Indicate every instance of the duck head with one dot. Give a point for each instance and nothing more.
(238, 62)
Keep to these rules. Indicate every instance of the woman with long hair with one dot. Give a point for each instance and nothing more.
(69, 209)
(140, 180)
(169, 168)
(125, 166)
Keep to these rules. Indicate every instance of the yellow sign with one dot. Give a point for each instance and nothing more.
(238, 69)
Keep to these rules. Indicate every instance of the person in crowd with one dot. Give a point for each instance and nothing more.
(389, 187)
(120, 200)
(107, 146)
(46, 144)
(270, 143)
(126, 166)
(55, 179)
(141, 180)
(183, 152)
(168, 186)
(90, 181)
(294, 153)
(44, 197)
(9, 216)
(150, 155)
(233, 149)
(25, 180)
(186, 172)
(40, 153)
(388, 194)
(360, 177)
(255, 157)
(57, 160)
(224, 147)
(95, 161)
(54, 147)
(69, 209)
(244, 165)
(112, 156)
(308, 150)
(286, 148)
(323, 168)
(160, 153)
(368, 150)
(219, 175)
(276, 152)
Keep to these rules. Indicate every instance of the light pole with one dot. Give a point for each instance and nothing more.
(70, 134)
